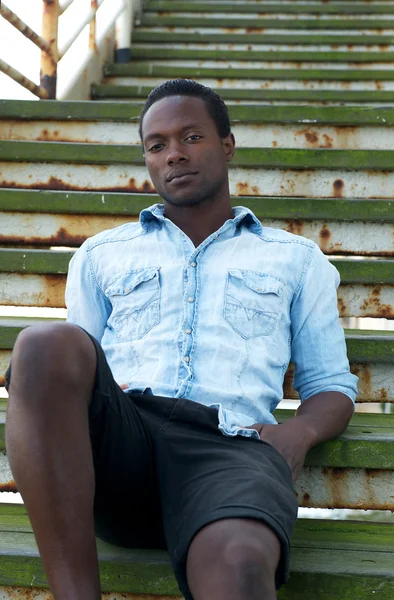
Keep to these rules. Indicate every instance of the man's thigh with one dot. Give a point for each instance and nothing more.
(127, 506)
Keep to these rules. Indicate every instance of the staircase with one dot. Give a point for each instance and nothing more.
(310, 87)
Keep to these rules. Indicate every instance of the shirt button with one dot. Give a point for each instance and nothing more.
(193, 264)
(187, 359)
(188, 330)
(190, 299)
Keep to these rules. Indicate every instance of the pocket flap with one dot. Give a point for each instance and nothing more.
(259, 282)
(127, 282)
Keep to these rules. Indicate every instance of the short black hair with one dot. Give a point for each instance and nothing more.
(187, 87)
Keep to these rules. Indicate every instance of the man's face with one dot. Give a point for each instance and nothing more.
(186, 157)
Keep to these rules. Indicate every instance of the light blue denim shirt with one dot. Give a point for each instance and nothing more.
(217, 324)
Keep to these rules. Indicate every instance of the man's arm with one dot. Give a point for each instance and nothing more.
(322, 378)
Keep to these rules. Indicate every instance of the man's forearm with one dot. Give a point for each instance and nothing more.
(325, 416)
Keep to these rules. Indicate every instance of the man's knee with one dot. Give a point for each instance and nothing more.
(53, 351)
(243, 553)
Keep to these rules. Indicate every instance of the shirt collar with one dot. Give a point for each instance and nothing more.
(242, 216)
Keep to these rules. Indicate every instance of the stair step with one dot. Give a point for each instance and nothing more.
(296, 96)
(254, 24)
(152, 36)
(135, 69)
(149, 53)
(312, 8)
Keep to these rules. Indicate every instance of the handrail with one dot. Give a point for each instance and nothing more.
(51, 54)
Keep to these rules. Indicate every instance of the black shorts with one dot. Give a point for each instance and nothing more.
(164, 471)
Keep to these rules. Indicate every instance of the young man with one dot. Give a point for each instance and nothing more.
(198, 309)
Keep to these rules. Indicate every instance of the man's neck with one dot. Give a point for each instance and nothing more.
(200, 221)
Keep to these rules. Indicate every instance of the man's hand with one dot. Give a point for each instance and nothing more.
(123, 386)
(318, 419)
(290, 439)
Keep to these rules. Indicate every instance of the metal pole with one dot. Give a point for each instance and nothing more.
(22, 80)
(124, 24)
(92, 27)
(48, 73)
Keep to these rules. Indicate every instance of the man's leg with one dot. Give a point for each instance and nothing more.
(233, 559)
(47, 435)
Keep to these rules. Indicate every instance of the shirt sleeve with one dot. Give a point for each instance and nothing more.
(86, 303)
(318, 348)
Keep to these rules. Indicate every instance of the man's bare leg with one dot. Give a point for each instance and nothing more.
(233, 559)
(47, 435)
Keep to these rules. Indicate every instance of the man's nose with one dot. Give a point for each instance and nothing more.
(176, 155)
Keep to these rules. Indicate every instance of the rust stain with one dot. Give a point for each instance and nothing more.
(327, 141)
(54, 183)
(379, 85)
(363, 372)
(311, 137)
(295, 226)
(275, 143)
(306, 499)
(342, 308)
(15, 593)
(255, 30)
(61, 238)
(10, 486)
(382, 394)
(338, 187)
(244, 189)
(373, 307)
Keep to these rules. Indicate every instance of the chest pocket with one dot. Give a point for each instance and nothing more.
(135, 299)
(252, 303)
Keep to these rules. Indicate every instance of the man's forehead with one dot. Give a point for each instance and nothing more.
(175, 110)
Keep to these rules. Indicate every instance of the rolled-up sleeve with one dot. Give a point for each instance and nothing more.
(86, 304)
(318, 348)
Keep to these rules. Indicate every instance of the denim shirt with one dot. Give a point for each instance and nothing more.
(217, 324)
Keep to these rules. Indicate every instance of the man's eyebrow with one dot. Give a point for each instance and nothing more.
(193, 125)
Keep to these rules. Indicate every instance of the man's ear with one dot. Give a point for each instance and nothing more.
(229, 146)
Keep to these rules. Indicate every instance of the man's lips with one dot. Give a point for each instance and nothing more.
(179, 173)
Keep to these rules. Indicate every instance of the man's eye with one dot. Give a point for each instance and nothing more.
(155, 148)
(194, 137)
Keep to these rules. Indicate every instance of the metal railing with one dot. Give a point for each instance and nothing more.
(122, 17)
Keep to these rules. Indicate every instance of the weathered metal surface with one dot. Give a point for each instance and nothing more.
(372, 239)
(75, 131)
(32, 290)
(376, 382)
(376, 51)
(310, 184)
(275, 97)
(5, 357)
(22, 80)
(54, 230)
(7, 483)
(263, 80)
(18, 593)
(366, 301)
(243, 181)
(280, 22)
(266, 59)
(12, 18)
(48, 68)
(346, 488)
(252, 135)
(92, 26)
(361, 238)
(310, 8)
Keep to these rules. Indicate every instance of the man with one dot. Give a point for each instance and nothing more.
(198, 308)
